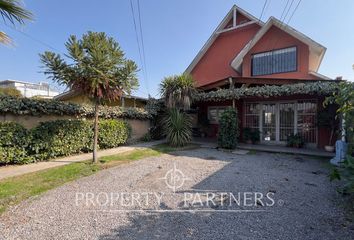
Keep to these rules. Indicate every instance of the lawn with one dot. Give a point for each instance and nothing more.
(16, 189)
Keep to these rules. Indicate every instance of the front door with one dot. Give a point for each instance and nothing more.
(278, 121)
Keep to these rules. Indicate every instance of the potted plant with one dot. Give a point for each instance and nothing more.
(327, 119)
(247, 135)
(255, 136)
(295, 140)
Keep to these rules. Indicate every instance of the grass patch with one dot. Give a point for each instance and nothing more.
(16, 189)
(252, 152)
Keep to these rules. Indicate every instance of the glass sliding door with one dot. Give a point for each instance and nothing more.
(286, 120)
(277, 121)
(269, 122)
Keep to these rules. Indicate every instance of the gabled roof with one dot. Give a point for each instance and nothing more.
(231, 15)
(317, 51)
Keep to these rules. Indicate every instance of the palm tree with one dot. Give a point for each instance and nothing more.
(12, 11)
(178, 91)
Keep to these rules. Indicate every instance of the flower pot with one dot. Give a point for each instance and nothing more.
(329, 148)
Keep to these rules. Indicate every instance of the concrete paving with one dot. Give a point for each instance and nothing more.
(16, 170)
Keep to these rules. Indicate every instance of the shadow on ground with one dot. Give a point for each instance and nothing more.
(305, 202)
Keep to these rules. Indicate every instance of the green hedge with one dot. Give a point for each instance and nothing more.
(61, 138)
(228, 129)
(14, 143)
(113, 133)
(38, 107)
(314, 88)
(57, 138)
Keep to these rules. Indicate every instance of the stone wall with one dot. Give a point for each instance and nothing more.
(139, 127)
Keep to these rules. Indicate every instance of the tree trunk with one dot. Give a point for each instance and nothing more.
(95, 134)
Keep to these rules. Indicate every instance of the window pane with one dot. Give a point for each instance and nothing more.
(277, 61)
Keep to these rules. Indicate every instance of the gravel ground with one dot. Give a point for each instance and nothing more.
(306, 205)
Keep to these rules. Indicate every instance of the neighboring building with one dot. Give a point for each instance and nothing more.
(125, 101)
(245, 52)
(28, 89)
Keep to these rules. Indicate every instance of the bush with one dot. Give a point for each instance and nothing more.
(146, 138)
(57, 138)
(255, 136)
(228, 129)
(252, 135)
(113, 133)
(14, 141)
(295, 141)
(61, 138)
(38, 107)
(177, 127)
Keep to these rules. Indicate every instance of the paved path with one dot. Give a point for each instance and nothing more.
(11, 171)
(113, 203)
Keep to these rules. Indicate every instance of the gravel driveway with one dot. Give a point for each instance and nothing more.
(306, 205)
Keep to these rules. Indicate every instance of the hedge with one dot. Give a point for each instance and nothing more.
(315, 88)
(57, 138)
(61, 138)
(14, 143)
(113, 133)
(38, 107)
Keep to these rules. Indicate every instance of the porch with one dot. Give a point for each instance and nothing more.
(314, 152)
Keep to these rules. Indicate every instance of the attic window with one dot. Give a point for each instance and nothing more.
(276, 61)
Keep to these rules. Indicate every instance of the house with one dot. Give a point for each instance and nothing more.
(27, 89)
(242, 53)
(124, 101)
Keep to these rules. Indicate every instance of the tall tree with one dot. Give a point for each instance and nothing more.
(12, 11)
(96, 67)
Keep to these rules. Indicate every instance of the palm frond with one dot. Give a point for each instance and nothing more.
(177, 127)
(12, 11)
(5, 39)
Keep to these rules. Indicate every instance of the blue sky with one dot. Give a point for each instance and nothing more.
(173, 32)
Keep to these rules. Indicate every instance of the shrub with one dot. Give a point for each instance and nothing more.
(113, 133)
(255, 136)
(61, 138)
(177, 127)
(14, 141)
(345, 173)
(295, 141)
(246, 134)
(146, 138)
(228, 129)
(38, 107)
(57, 138)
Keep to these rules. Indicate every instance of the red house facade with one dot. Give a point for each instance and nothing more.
(243, 52)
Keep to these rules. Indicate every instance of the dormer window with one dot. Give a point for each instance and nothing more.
(276, 61)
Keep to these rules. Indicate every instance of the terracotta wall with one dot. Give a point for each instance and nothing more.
(278, 39)
(139, 127)
(216, 62)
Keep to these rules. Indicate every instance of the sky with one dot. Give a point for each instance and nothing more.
(173, 33)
